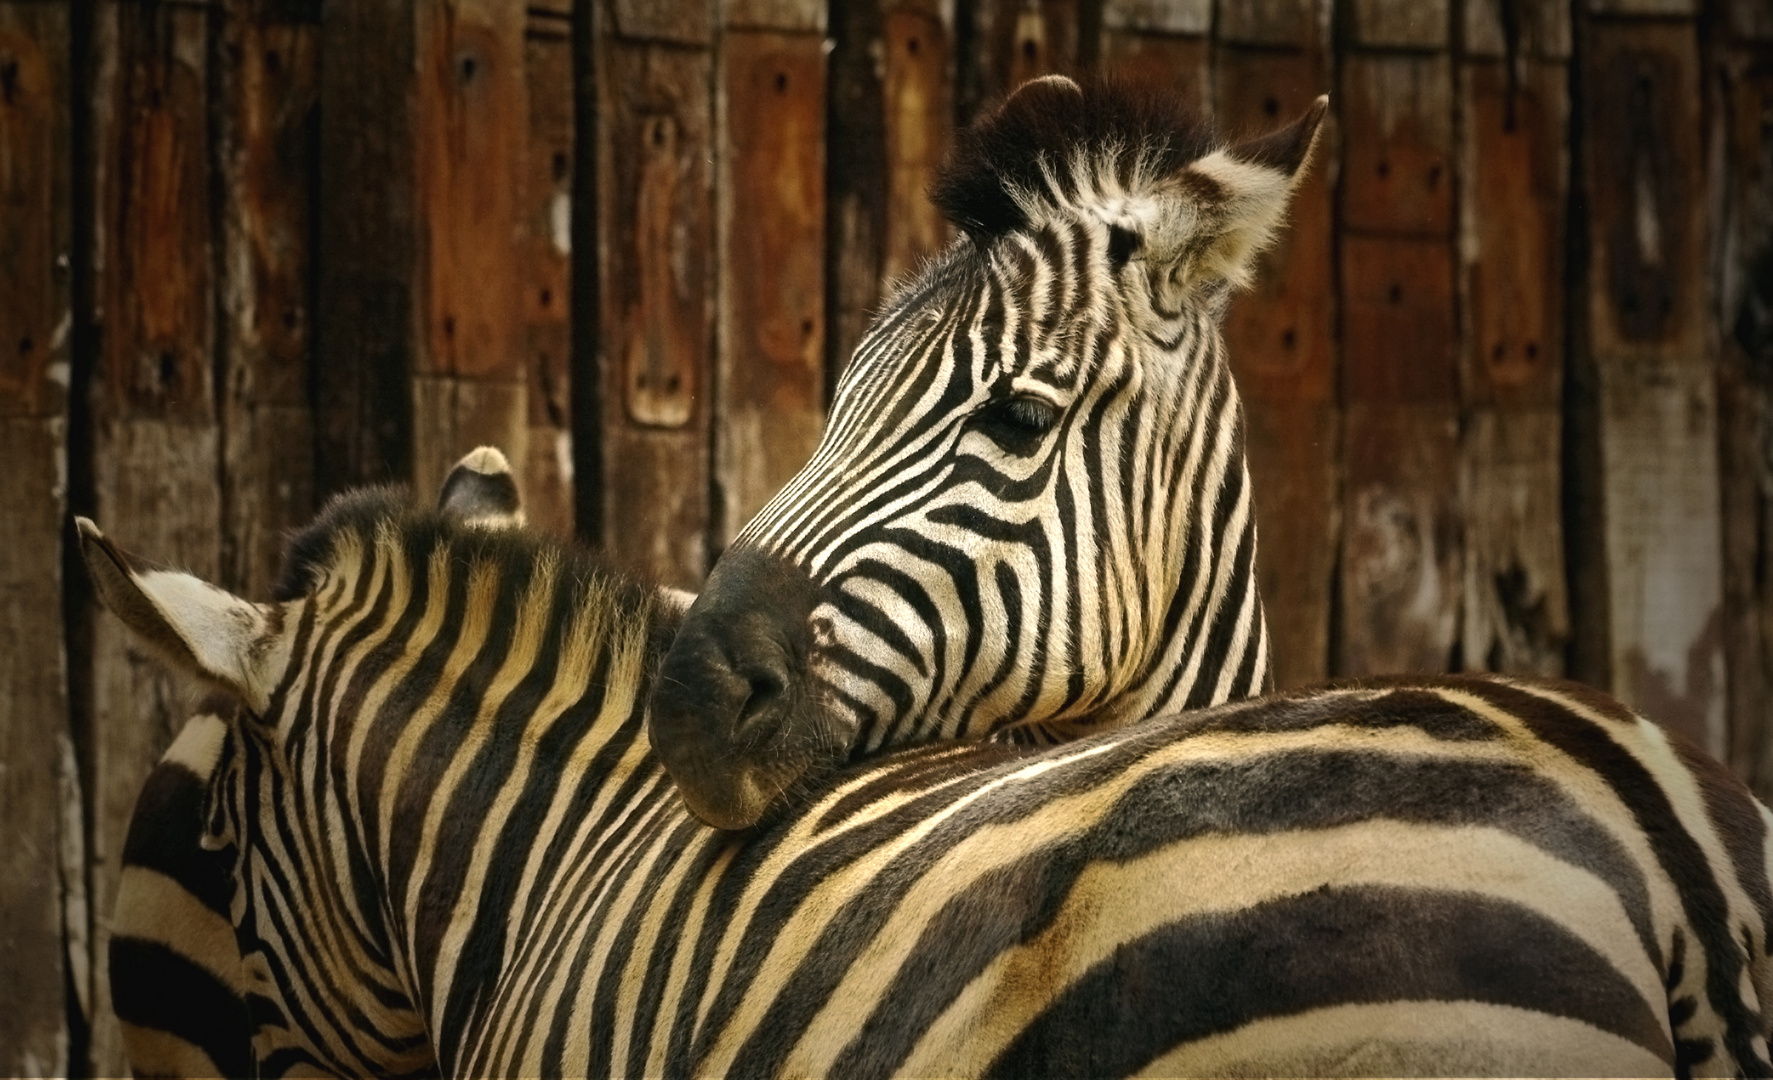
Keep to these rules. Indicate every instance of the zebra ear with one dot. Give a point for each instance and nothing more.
(1239, 198)
(193, 627)
(480, 491)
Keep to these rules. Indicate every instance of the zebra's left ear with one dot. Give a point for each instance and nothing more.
(191, 625)
(1240, 196)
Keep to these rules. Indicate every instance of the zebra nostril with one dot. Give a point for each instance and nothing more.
(767, 690)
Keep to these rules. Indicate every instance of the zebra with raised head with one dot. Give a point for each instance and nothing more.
(455, 851)
(1029, 514)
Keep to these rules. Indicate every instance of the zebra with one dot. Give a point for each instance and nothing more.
(456, 851)
(1029, 516)
(177, 984)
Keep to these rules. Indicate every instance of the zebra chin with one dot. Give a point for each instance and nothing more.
(734, 715)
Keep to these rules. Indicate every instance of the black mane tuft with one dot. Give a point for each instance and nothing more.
(1054, 121)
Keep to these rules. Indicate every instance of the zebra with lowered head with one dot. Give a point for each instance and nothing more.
(455, 846)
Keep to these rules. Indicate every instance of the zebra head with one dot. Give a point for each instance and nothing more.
(1029, 513)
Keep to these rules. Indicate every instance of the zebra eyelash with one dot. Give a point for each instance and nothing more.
(1018, 424)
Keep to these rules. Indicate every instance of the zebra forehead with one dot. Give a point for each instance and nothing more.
(1055, 132)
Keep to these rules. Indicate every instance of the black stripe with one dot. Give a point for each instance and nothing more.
(1326, 948)
(160, 989)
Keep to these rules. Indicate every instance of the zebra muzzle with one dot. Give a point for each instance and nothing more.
(732, 715)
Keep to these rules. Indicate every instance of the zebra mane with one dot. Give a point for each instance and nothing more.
(1053, 131)
(369, 512)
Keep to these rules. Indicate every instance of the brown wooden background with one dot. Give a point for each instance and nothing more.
(1508, 376)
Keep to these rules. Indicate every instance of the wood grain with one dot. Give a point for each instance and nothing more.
(1498, 29)
(1297, 24)
(658, 308)
(1399, 24)
(547, 253)
(43, 917)
(270, 177)
(1397, 114)
(770, 403)
(1646, 323)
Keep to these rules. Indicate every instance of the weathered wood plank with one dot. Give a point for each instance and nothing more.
(1158, 16)
(364, 332)
(1497, 29)
(1399, 24)
(1298, 24)
(1183, 64)
(770, 388)
(1398, 324)
(680, 23)
(43, 918)
(1397, 113)
(469, 138)
(1516, 608)
(1647, 306)
(1745, 394)
(657, 218)
(547, 265)
(1400, 566)
(1281, 336)
(1514, 172)
(267, 156)
(1652, 8)
(807, 16)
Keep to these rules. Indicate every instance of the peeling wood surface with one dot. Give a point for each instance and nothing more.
(1401, 544)
(1516, 608)
(43, 921)
(1648, 298)
(770, 403)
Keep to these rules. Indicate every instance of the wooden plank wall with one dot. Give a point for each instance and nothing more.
(1507, 377)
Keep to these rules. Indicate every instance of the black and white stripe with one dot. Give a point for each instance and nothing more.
(1029, 517)
(456, 851)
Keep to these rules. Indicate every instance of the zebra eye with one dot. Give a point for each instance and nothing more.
(1017, 424)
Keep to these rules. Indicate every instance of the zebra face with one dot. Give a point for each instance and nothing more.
(1029, 512)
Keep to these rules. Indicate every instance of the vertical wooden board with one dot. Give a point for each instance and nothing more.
(547, 264)
(1516, 609)
(1293, 453)
(43, 933)
(917, 109)
(1745, 413)
(1281, 337)
(1645, 168)
(1652, 8)
(1663, 545)
(1181, 64)
(1158, 16)
(807, 16)
(1648, 299)
(688, 22)
(658, 224)
(155, 439)
(1399, 24)
(1298, 24)
(1400, 562)
(1514, 172)
(1398, 323)
(1397, 116)
(33, 718)
(364, 332)
(452, 416)
(1014, 41)
(1498, 29)
(769, 409)
(269, 183)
